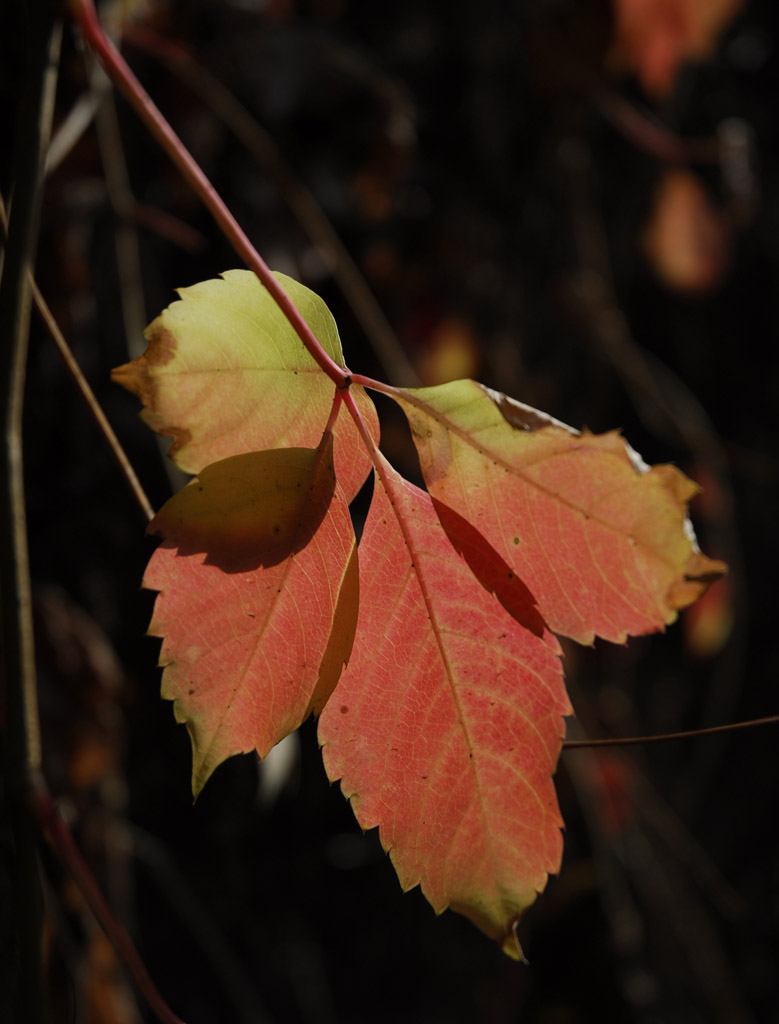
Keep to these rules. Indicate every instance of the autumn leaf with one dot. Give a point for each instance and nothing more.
(654, 38)
(257, 603)
(601, 540)
(446, 726)
(686, 240)
(224, 373)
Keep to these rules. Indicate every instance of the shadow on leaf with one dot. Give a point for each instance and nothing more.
(490, 569)
(250, 510)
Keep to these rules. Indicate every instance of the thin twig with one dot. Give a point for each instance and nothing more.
(70, 130)
(87, 394)
(98, 415)
(667, 737)
(127, 250)
(43, 33)
(653, 809)
(122, 201)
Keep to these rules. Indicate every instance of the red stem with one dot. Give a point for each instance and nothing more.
(375, 385)
(335, 408)
(351, 405)
(666, 737)
(117, 69)
(59, 835)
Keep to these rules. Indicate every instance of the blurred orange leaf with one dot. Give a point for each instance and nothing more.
(686, 240)
(654, 38)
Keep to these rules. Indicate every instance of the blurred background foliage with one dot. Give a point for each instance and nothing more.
(574, 201)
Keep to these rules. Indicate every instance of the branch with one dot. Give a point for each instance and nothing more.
(667, 737)
(43, 32)
(87, 394)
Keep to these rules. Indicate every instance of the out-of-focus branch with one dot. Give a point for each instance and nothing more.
(43, 33)
(59, 836)
(654, 138)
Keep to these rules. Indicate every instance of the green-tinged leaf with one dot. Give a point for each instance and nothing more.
(446, 725)
(601, 540)
(258, 593)
(224, 374)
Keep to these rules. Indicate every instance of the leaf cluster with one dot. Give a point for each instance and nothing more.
(431, 654)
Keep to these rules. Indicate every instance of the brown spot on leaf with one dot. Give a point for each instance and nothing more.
(139, 377)
(181, 438)
(136, 376)
(162, 344)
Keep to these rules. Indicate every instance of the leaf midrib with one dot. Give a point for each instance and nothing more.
(450, 676)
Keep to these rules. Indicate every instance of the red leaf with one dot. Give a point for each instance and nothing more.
(446, 726)
(258, 585)
(601, 540)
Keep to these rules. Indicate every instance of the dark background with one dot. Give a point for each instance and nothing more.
(475, 161)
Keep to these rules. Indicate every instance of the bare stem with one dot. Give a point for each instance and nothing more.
(43, 32)
(338, 399)
(87, 394)
(93, 405)
(667, 737)
(354, 411)
(123, 78)
(376, 385)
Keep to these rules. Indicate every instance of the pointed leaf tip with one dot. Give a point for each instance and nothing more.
(511, 945)
(453, 722)
(256, 624)
(250, 510)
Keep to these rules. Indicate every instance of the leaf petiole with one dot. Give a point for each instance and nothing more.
(347, 398)
(338, 398)
(375, 385)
